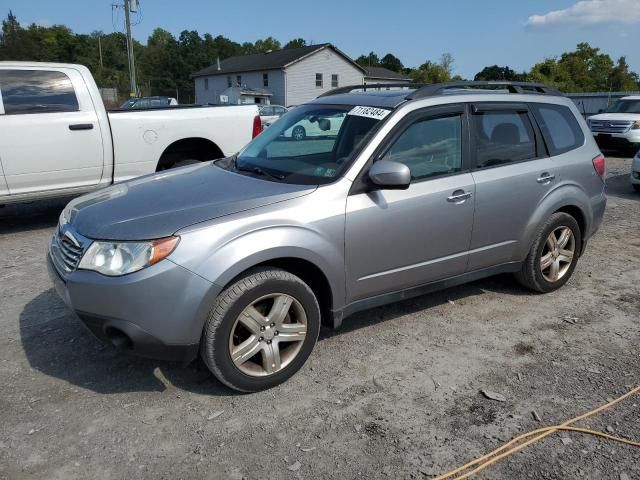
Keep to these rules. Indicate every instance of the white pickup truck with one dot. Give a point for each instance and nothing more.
(57, 138)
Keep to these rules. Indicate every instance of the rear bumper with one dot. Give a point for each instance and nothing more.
(156, 312)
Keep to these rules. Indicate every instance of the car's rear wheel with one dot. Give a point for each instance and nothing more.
(261, 330)
(636, 187)
(299, 133)
(553, 255)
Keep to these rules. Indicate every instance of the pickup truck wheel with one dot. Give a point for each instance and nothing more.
(299, 133)
(636, 187)
(261, 330)
(553, 255)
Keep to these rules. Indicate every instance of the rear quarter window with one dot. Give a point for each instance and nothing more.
(37, 91)
(560, 129)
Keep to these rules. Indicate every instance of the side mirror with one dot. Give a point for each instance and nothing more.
(601, 110)
(390, 175)
(324, 124)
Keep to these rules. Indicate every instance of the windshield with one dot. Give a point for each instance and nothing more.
(625, 106)
(310, 145)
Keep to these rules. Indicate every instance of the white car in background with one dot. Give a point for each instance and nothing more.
(316, 127)
(619, 125)
(271, 113)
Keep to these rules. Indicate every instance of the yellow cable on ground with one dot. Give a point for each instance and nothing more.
(540, 433)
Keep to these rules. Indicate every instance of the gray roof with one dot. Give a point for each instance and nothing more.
(384, 74)
(267, 61)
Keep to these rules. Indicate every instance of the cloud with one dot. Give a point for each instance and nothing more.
(590, 12)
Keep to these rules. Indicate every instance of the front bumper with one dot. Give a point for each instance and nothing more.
(620, 140)
(158, 312)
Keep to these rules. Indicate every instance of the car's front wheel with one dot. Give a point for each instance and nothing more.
(299, 133)
(261, 330)
(553, 255)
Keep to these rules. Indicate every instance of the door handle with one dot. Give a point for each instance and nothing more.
(545, 178)
(459, 196)
(81, 126)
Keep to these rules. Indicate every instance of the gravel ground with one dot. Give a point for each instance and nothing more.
(394, 393)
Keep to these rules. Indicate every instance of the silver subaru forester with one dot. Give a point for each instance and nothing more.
(391, 194)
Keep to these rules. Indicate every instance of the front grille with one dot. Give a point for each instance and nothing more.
(610, 126)
(66, 249)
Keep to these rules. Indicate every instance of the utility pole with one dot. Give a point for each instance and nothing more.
(132, 63)
(100, 49)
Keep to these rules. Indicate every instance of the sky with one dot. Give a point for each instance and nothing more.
(517, 33)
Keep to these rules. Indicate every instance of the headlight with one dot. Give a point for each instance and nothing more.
(636, 125)
(120, 258)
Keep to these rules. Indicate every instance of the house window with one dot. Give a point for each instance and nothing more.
(265, 79)
(319, 80)
(229, 81)
(206, 84)
(334, 80)
(239, 80)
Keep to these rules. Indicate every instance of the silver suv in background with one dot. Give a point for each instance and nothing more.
(243, 258)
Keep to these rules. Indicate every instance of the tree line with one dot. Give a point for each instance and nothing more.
(165, 63)
(585, 69)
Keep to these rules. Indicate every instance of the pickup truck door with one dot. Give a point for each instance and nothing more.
(50, 138)
(3, 184)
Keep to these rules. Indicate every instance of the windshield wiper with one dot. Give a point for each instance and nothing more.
(257, 171)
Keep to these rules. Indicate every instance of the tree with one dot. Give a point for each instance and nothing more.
(391, 62)
(585, 70)
(296, 43)
(370, 60)
(494, 72)
(434, 72)
(266, 45)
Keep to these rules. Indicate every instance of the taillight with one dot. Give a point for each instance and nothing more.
(599, 163)
(257, 126)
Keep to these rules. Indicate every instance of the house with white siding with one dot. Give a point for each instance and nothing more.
(284, 77)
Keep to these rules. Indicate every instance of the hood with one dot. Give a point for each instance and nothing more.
(158, 205)
(630, 117)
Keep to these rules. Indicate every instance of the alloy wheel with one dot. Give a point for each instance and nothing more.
(268, 334)
(557, 254)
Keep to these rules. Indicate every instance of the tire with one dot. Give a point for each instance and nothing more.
(636, 187)
(226, 330)
(532, 275)
(299, 133)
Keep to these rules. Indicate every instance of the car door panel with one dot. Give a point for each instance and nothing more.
(396, 239)
(507, 194)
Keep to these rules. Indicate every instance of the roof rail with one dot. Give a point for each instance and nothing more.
(433, 89)
(370, 86)
(513, 87)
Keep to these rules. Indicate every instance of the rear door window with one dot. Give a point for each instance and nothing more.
(502, 137)
(37, 91)
(559, 127)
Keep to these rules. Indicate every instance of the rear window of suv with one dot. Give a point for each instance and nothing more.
(559, 126)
